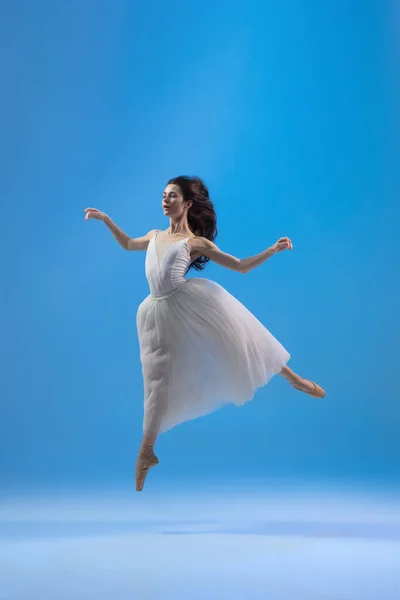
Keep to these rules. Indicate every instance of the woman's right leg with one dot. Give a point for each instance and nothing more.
(145, 460)
(146, 457)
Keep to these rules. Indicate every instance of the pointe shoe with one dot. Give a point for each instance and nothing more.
(144, 462)
(317, 392)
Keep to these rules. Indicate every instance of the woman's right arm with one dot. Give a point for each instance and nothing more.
(122, 238)
(141, 243)
(128, 243)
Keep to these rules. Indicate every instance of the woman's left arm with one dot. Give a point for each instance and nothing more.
(204, 247)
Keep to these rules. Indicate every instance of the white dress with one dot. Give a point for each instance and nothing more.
(200, 348)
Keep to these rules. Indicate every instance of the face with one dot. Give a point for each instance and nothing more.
(173, 203)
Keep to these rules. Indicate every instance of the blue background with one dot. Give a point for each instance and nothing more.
(288, 112)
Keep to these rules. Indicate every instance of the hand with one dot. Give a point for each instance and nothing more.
(283, 243)
(93, 213)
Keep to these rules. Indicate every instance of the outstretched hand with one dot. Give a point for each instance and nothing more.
(93, 213)
(283, 243)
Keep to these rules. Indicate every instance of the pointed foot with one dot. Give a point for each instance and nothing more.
(312, 389)
(145, 461)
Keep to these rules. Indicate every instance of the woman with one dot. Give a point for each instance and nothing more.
(200, 347)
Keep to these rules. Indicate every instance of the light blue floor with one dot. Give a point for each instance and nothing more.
(248, 545)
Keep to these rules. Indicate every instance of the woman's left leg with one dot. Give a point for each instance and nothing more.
(304, 385)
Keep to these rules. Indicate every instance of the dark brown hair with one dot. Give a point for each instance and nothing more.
(201, 215)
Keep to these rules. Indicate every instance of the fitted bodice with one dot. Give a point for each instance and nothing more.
(166, 272)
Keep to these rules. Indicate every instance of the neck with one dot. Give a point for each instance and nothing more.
(179, 226)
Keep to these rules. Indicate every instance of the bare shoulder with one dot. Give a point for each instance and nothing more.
(202, 246)
(198, 246)
(141, 243)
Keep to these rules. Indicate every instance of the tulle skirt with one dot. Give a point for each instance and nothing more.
(200, 349)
